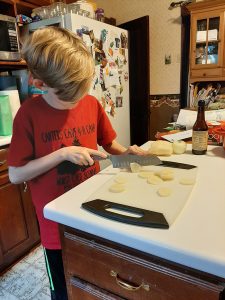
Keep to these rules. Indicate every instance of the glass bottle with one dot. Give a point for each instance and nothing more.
(200, 131)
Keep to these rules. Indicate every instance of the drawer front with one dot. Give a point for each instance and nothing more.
(129, 276)
(207, 73)
(4, 178)
(81, 289)
(3, 161)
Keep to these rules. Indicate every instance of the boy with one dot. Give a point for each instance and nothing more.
(55, 134)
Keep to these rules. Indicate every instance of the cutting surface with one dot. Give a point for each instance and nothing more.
(139, 193)
(195, 239)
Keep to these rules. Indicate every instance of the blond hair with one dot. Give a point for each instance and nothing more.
(61, 60)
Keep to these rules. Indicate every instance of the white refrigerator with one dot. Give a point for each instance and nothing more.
(109, 47)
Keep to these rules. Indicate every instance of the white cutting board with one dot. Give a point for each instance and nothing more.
(139, 193)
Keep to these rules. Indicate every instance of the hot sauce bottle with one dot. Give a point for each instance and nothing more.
(200, 131)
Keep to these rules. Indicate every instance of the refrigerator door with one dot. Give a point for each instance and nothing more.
(109, 47)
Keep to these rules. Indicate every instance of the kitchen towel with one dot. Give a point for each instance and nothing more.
(13, 99)
(5, 116)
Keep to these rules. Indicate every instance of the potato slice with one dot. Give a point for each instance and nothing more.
(120, 179)
(117, 188)
(164, 192)
(187, 181)
(153, 179)
(135, 167)
(164, 170)
(145, 174)
(166, 174)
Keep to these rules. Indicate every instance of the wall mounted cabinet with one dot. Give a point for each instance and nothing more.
(207, 49)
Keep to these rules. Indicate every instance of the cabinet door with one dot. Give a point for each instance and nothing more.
(18, 224)
(207, 40)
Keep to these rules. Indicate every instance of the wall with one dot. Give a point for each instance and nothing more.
(165, 38)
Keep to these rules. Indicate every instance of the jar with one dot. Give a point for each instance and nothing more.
(58, 9)
(83, 13)
(87, 7)
(99, 14)
(73, 8)
(44, 12)
(36, 14)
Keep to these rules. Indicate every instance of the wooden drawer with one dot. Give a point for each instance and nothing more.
(4, 178)
(3, 160)
(129, 276)
(205, 73)
(81, 289)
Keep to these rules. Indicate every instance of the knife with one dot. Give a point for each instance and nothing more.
(124, 161)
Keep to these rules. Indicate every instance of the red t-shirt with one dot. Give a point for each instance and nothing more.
(40, 129)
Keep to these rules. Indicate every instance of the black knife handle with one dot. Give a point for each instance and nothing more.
(146, 218)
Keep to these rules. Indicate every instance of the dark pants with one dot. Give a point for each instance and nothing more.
(54, 265)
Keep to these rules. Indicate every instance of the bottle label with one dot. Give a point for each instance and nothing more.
(199, 140)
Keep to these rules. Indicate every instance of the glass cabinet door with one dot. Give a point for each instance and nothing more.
(207, 41)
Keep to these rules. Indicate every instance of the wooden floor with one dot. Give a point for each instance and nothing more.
(27, 280)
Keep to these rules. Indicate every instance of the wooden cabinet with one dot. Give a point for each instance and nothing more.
(96, 268)
(207, 49)
(18, 224)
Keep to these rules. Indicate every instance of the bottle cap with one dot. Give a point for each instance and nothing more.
(201, 103)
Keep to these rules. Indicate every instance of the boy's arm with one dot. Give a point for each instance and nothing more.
(116, 148)
(36, 167)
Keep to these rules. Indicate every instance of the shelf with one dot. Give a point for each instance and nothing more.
(210, 79)
(12, 65)
(11, 2)
(40, 2)
(209, 41)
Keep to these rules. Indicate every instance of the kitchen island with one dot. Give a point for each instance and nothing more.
(105, 258)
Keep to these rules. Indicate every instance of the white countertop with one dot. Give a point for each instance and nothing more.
(5, 140)
(195, 239)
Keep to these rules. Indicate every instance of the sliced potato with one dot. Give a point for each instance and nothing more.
(163, 171)
(117, 188)
(120, 179)
(187, 181)
(166, 174)
(164, 192)
(135, 167)
(145, 174)
(153, 179)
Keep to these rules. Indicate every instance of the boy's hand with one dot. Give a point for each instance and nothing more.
(81, 155)
(135, 150)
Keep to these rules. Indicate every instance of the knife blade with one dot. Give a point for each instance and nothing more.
(124, 161)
